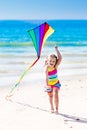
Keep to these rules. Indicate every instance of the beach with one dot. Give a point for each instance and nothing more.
(29, 108)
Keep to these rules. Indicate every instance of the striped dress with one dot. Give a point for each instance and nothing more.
(53, 78)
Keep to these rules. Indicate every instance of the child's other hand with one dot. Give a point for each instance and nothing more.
(48, 89)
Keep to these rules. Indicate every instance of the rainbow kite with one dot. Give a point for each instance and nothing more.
(38, 36)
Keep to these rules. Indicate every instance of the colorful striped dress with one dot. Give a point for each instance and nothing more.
(53, 78)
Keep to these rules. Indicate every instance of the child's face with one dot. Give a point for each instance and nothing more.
(51, 61)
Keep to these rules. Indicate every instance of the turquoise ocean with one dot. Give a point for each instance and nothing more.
(17, 50)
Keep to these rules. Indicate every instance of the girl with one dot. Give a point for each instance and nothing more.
(52, 82)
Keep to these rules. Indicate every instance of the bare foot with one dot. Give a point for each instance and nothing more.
(56, 112)
(52, 110)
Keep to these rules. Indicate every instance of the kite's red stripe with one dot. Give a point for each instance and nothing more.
(46, 28)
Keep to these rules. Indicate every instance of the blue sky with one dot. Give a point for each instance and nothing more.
(43, 9)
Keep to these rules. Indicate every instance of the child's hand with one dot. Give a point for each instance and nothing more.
(48, 89)
(56, 47)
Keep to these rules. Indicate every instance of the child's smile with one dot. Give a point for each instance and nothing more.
(52, 62)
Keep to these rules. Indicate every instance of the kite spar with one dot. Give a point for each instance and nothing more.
(38, 36)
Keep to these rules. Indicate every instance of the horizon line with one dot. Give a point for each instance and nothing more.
(42, 19)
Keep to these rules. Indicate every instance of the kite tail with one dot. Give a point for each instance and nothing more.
(18, 82)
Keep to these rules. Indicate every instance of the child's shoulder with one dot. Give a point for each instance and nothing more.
(46, 68)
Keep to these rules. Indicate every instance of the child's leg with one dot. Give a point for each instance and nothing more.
(50, 94)
(56, 98)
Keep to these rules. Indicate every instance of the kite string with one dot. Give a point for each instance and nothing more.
(18, 82)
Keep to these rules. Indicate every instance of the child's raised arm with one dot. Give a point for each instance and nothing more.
(59, 56)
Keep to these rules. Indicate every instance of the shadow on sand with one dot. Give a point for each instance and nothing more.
(67, 117)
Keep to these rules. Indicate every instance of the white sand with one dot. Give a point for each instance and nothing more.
(29, 108)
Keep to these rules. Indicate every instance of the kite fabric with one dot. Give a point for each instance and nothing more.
(38, 36)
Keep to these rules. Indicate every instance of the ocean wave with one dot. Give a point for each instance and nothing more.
(49, 43)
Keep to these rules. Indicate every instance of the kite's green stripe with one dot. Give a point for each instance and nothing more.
(32, 34)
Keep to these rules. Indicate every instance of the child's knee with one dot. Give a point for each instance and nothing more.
(55, 92)
(50, 94)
